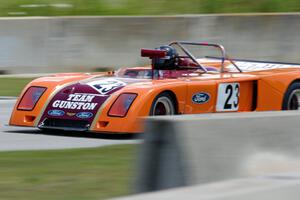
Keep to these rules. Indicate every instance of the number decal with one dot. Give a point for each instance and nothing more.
(228, 91)
(237, 95)
(228, 97)
(104, 86)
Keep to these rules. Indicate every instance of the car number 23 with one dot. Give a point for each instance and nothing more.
(228, 97)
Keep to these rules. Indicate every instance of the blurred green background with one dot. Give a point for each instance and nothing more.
(93, 173)
(13, 86)
(138, 7)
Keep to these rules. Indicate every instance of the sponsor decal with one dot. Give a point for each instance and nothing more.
(71, 114)
(76, 102)
(84, 115)
(106, 85)
(200, 98)
(56, 113)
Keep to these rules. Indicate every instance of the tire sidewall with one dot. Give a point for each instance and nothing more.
(163, 94)
(291, 88)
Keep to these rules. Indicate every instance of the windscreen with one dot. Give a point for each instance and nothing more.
(146, 73)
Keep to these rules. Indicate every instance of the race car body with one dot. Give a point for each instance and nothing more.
(177, 82)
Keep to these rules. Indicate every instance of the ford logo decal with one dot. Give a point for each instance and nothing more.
(56, 113)
(200, 98)
(84, 115)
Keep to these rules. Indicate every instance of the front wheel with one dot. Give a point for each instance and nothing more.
(163, 104)
(291, 100)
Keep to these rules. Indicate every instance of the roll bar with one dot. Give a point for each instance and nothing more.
(218, 46)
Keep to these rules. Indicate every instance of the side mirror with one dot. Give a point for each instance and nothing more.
(153, 53)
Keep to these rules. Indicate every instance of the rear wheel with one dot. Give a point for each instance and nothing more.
(291, 100)
(163, 104)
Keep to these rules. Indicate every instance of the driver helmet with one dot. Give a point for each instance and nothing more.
(169, 61)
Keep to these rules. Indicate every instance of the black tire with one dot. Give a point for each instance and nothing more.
(163, 104)
(45, 130)
(291, 97)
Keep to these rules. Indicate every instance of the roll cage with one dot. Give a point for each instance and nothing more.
(156, 53)
(224, 57)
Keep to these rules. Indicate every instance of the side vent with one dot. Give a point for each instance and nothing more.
(254, 96)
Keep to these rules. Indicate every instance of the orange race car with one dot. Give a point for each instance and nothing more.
(178, 82)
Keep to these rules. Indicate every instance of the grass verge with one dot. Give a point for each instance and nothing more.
(138, 7)
(95, 173)
(12, 86)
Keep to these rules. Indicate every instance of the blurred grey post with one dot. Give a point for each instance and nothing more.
(160, 145)
(198, 149)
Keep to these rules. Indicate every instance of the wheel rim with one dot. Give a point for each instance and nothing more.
(163, 106)
(294, 100)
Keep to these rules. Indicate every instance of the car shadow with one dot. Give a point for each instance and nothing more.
(108, 136)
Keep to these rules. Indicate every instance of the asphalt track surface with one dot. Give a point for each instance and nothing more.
(21, 138)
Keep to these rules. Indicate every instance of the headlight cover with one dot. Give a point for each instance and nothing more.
(121, 105)
(31, 97)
